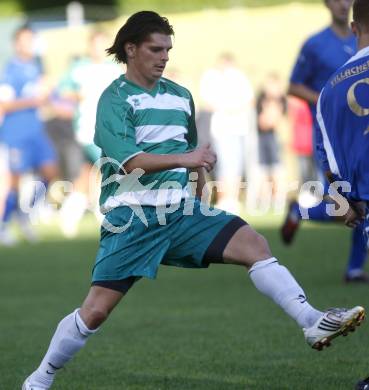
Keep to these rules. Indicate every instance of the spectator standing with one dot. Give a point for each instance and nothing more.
(229, 94)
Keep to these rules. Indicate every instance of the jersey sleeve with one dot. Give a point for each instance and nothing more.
(191, 136)
(114, 132)
(304, 66)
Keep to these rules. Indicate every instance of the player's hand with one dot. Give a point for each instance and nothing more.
(201, 157)
(355, 214)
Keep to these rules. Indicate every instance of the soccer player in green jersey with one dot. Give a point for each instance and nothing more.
(145, 127)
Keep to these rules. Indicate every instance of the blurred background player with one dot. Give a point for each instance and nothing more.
(83, 84)
(229, 94)
(321, 55)
(23, 91)
(271, 107)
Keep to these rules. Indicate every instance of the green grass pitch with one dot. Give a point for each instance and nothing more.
(189, 329)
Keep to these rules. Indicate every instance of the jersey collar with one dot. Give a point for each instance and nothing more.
(360, 54)
(151, 92)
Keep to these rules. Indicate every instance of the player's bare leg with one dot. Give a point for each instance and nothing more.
(250, 249)
(97, 306)
(72, 334)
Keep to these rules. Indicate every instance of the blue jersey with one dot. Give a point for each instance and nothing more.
(321, 55)
(343, 117)
(20, 79)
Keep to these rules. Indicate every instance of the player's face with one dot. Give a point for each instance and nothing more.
(148, 60)
(340, 10)
(24, 44)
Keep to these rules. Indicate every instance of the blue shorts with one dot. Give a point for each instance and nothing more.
(30, 154)
(191, 241)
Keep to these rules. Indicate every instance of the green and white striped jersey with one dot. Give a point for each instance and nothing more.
(131, 120)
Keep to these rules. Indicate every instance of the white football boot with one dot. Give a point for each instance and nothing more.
(28, 386)
(333, 323)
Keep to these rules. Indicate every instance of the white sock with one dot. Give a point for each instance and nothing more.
(275, 281)
(70, 336)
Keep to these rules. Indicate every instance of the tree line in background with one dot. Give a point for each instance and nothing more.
(159, 5)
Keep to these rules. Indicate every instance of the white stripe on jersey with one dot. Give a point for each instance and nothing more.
(165, 101)
(181, 170)
(160, 197)
(327, 145)
(160, 133)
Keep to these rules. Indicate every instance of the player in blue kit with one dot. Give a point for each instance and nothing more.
(321, 55)
(343, 117)
(22, 93)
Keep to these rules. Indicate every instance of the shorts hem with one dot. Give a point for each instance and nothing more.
(109, 278)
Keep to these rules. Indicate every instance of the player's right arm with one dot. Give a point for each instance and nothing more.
(302, 72)
(116, 135)
(202, 157)
(9, 102)
(303, 92)
(21, 104)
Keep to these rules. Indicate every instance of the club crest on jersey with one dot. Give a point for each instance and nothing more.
(136, 102)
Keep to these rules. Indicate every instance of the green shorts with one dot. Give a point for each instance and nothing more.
(190, 241)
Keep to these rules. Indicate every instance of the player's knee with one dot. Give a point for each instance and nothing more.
(94, 316)
(261, 248)
(248, 248)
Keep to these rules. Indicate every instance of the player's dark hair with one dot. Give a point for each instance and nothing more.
(136, 30)
(19, 30)
(361, 12)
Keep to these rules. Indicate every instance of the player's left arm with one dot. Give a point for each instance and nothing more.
(356, 210)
